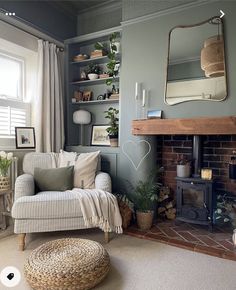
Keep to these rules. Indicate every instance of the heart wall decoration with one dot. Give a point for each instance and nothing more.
(136, 151)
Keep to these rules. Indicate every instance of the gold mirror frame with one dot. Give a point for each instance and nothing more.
(210, 20)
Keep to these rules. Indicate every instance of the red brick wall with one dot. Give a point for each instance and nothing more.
(216, 155)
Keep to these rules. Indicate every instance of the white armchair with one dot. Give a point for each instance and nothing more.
(48, 210)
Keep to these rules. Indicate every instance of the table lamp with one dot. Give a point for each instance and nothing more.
(82, 117)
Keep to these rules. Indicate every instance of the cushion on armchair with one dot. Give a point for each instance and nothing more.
(85, 167)
(54, 179)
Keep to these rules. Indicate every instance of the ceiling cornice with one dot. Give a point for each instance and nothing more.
(166, 12)
(106, 7)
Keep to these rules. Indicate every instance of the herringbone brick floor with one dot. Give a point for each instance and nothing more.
(192, 237)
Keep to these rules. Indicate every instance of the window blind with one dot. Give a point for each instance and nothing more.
(10, 118)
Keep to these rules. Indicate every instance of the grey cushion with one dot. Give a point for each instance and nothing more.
(47, 204)
(58, 179)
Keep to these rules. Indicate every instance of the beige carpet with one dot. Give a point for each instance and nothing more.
(137, 264)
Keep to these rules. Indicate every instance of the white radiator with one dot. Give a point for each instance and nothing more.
(13, 170)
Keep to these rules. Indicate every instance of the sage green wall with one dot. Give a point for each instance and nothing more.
(144, 60)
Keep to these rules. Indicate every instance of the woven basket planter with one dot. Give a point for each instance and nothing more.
(67, 264)
(144, 219)
(4, 183)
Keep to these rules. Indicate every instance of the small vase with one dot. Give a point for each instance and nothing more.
(4, 183)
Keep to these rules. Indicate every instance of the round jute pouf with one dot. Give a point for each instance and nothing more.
(67, 264)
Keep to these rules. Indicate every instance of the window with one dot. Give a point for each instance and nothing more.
(12, 77)
(14, 112)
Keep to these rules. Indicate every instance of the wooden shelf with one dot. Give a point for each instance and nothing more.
(194, 126)
(93, 82)
(88, 60)
(101, 59)
(94, 102)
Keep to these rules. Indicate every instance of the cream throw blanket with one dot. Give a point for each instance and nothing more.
(100, 209)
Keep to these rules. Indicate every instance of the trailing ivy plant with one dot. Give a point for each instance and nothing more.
(111, 54)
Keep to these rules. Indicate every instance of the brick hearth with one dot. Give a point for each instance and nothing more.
(191, 237)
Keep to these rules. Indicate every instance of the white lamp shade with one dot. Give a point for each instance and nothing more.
(82, 117)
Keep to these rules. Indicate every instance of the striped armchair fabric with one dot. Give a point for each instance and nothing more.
(49, 210)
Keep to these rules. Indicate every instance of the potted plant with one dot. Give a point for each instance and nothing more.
(183, 166)
(111, 53)
(5, 162)
(113, 128)
(144, 196)
(93, 71)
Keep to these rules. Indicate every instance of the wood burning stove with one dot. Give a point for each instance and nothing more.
(194, 196)
(195, 201)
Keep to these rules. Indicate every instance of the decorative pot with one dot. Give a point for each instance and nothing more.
(4, 183)
(113, 140)
(93, 76)
(144, 219)
(183, 170)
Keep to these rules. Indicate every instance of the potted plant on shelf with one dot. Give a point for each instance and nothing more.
(183, 166)
(113, 128)
(145, 196)
(112, 66)
(93, 71)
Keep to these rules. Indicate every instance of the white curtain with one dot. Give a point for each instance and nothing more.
(49, 117)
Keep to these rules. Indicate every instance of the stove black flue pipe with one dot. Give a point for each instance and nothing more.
(197, 156)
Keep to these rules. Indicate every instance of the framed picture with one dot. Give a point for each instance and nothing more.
(100, 135)
(25, 137)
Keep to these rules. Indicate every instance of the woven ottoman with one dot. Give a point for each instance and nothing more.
(67, 264)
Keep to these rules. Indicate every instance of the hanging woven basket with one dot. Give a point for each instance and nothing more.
(212, 57)
(4, 183)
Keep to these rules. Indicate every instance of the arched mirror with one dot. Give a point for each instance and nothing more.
(196, 63)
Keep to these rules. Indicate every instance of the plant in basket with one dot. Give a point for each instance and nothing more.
(5, 162)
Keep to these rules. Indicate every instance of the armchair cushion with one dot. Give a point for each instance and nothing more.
(85, 170)
(58, 179)
(85, 167)
(48, 205)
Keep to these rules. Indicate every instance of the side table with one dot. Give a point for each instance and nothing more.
(5, 206)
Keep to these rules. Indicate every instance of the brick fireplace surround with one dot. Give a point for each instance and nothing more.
(217, 148)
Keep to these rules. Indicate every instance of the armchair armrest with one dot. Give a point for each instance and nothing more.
(103, 181)
(24, 186)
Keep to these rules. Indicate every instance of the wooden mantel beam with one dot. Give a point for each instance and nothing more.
(193, 126)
